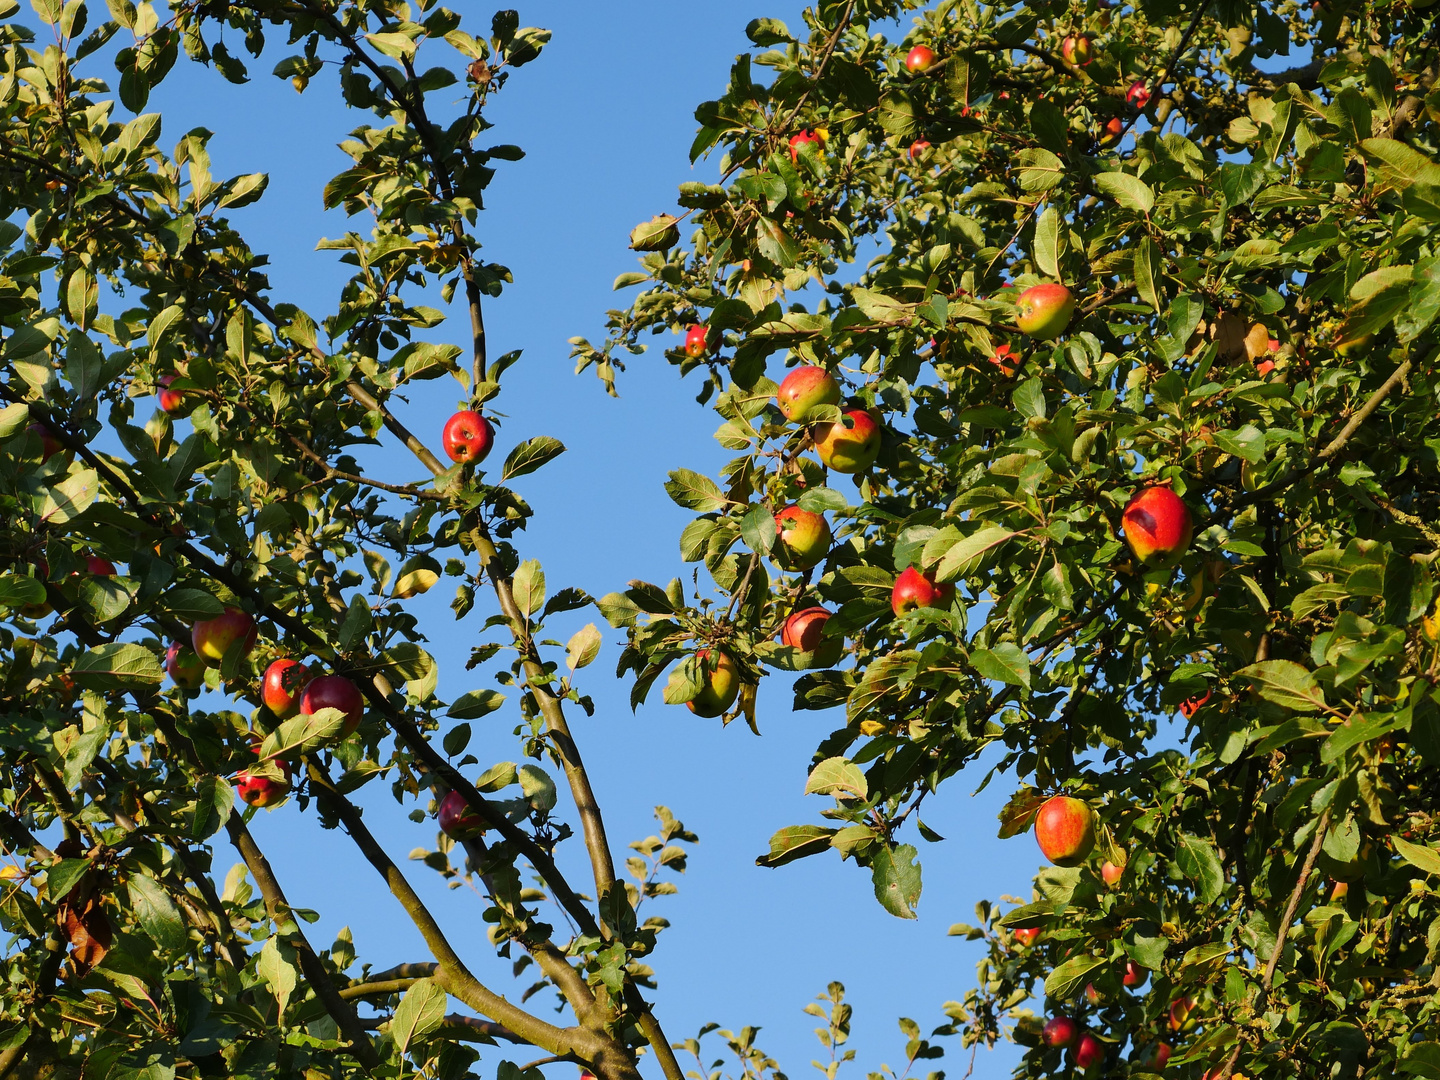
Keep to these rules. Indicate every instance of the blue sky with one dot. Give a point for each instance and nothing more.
(605, 116)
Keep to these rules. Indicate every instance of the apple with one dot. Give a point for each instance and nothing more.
(282, 685)
(1114, 128)
(697, 342)
(468, 437)
(917, 148)
(850, 444)
(1043, 311)
(334, 692)
(171, 401)
(1181, 1010)
(1006, 359)
(815, 137)
(916, 590)
(803, 538)
(212, 638)
(803, 631)
(1076, 50)
(185, 669)
(99, 567)
(721, 684)
(1347, 346)
(805, 389)
(1340, 891)
(1190, 706)
(1027, 937)
(1110, 873)
(1089, 1052)
(262, 791)
(1154, 1057)
(1092, 995)
(1065, 830)
(1134, 976)
(1430, 625)
(1139, 94)
(920, 58)
(457, 820)
(1157, 525)
(1060, 1031)
(49, 445)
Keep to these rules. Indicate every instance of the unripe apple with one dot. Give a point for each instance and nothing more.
(913, 590)
(850, 444)
(1340, 891)
(212, 638)
(1139, 94)
(803, 631)
(720, 684)
(1430, 626)
(49, 445)
(815, 137)
(920, 58)
(1060, 1031)
(1134, 976)
(1007, 360)
(1065, 830)
(1110, 873)
(467, 437)
(185, 669)
(1347, 347)
(1089, 1052)
(1154, 1057)
(802, 538)
(697, 342)
(282, 686)
(1076, 50)
(171, 401)
(1182, 1016)
(1043, 311)
(1027, 936)
(1157, 525)
(334, 692)
(804, 390)
(457, 820)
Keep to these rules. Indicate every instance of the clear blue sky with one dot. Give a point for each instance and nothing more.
(605, 116)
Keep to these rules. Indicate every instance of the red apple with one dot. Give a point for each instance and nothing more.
(1092, 995)
(916, 590)
(1027, 937)
(1154, 1057)
(917, 148)
(283, 683)
(262, 791)
(1180, 1014)
(99, 567)
(920, 58)
(1114, 128)
(171, 401)
(696, 341)
(334, 692)
(1076, 50)
(1089, 1052)
(1157, 525)
(1134, 976)
(1340, 891)
(1139, 94)
(185, 669)
(1044, 311)
(1006, 360)
(803, 390)
(802, 631)
(1060, 1031)
(721, 685)
(1065, 830)
(212, 638)
(803, 538)
(1190, 706)
(1110, 873)
(816, 137)
(49, 445)
(468, 437)
(850, 444)
(457, 820)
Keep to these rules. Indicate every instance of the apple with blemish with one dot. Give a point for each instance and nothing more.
(186, 670)
(1065, 830)
(850, 444)
(282, 685)
(1157, 525)
(719, 683)
(212, 638)
(334, 692)
(457, 820)
(914, 589)
(1044, 311)
(802, 538)
(804, 390)
(697, 342)
(467, 437)
(1027, 936)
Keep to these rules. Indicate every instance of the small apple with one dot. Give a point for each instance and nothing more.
(721, 684)
(1110, 873)
(96, 566)
(1157, 525)
(1076, 50)
(913, 590)
(803, 631)
(1043, 311)
(467, 437)
(804, 390)
(334, 692)
(1006, 359)
(1138, 95)
(1114, 128)
(1092, 995)
(1154, 1057)
(850, 444)
(185, 669)
(814, 137)
(920, 58)
(457, 820)
(697, 341)
(802, 540)
(171, 401)
(1134, 976)
(1060, 1031)
(1027, 936)
(1182, 1014)
(1190, 706)
(1065, 830)
(282, 685)
(212, 638)
(1347, 347)
(1430, 625)
(49, 445)
(1340, 891)
(1089, 1052)
(917, 148)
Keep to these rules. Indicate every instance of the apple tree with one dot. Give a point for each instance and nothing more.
(1079, 364)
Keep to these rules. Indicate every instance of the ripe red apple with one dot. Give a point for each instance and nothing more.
(1134, 976)
(1060, 1031)
(1044, 311)
(917, 148)
(1114, 128)
(803, 630)
(334, 692)
(1154, 1057)
(1181, 1010)
(1065, 830)
(696, 341)
(1110, 873)
(916, 590)
(1190, 706)
(920, 58)
(212, 638)
(1027, 937)
(803, 390)
(1157, 525)
(99, 567)
(1006, 360)
(457, 820)
(262, 791)
(1076, 50)
(814, 136)
(721, 684)
(49, 445)
(171, 401)
(1089, 1052)
(185, 669)
(850, 444)
(468, 437)
(283, 683)
(803, 538)
(1139, 94)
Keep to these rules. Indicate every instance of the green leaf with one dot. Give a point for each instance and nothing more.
(1129, 191)
(1148, 269)
(416, 666)
(190, 605)
(1286, 683)
(896, 875)
(1047, 242)
(302, 734)
(158, 915)
(1197, 860)
(64, 876)
(1420, 856)
(757, 529)
(118, 665)
(161, 325)
(356, 625)
(17, 590)
(70, 498)
(583, 646)
(531, 455)
(528, 587)
(839, 777)
(1006, 663)
(1421, 1059)
(796, 842)
(277, 969)
(13, 418)
(1067, 979)
(969, 549)
(420, 1012)
(1040, 170)
(695, 492)
(657, 234)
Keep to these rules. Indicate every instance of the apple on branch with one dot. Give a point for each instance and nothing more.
(1076, 50)
(802, 538)
(1157, 525)
(1065, 830)
(1154, 1057)
(467, 437)
(1110, 873)
(1060, 1032)
(697, 342)
(212, 638)
(814, 138)
(913, 589)
(334, 692)
(1088, 1052)
(719, 685)
(262, 791)
(850, 444)
(1027, 936)
(457, 820)
(920, 58)
(1044, 311)
(172, 402)
(186, 670)
(282, 685)
(803, 391)
(1138, 95)
(803, 631)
